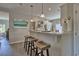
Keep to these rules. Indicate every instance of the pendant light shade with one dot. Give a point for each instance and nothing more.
(42, 14)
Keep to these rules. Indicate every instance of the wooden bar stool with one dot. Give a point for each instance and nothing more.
(42, 46)
(33, 46)
(26, 41)
(29, 44)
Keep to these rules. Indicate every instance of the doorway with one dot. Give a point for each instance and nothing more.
(4, 24)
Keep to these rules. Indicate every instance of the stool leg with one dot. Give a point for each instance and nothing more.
(47, 52)
(24, 44)
(33, 47)
(36, 53)
(42, 53)
(28, 47)
(31, 50)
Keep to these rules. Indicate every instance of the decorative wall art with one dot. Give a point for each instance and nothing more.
(20, 23)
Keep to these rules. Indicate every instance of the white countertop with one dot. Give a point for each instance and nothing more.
(47, 32)
(55, 33)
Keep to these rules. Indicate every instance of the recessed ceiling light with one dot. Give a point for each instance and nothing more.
(50, 9)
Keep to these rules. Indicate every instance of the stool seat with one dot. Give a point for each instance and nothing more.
(34, 40)
(29, 36)
(42, 45)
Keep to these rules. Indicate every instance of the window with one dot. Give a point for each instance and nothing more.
(2, 28)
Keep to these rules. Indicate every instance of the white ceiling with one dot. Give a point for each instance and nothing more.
(25, 9)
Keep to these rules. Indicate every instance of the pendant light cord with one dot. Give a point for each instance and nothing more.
(31, 10)
(42, 8)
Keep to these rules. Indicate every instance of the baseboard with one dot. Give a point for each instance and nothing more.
(16, 42)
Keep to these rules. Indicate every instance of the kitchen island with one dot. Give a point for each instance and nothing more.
(61, 43)
(52, 38)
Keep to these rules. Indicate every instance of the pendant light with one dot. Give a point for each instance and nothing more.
(31, 20)
(42, 14)
(31, 12)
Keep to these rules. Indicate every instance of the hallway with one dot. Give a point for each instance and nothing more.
(11, 50)
(5, 48)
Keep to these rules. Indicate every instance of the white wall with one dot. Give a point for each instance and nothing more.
(67, 44)
(76, 29)
(17, 34)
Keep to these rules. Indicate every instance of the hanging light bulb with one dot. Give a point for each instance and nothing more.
(42, 14)
(32, 20)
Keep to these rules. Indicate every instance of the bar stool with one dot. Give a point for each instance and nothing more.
(26, 41)
(29, 44)
(42, 46)
(32, 46)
